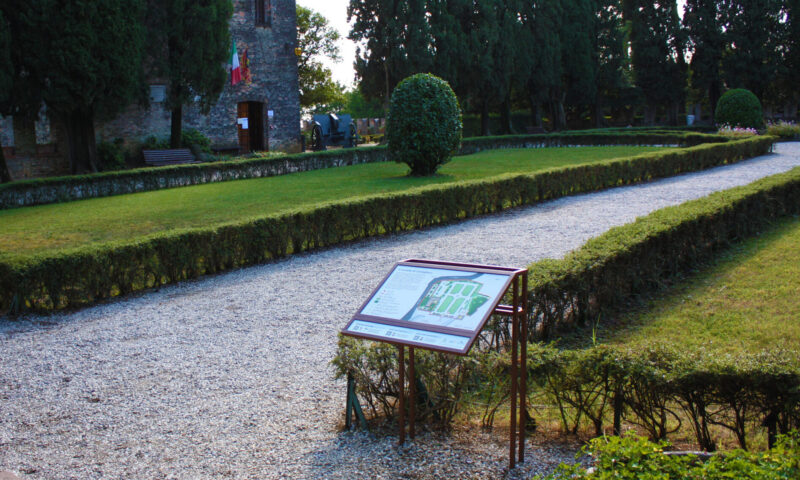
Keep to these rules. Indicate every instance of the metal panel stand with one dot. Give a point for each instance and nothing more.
(519, 374)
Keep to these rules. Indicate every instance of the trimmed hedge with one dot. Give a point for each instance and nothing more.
(663, 386)
(601, 277)
(82, 275)
(62, 189)
(637, 458)
(423, 128)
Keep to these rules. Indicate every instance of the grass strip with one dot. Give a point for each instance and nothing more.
(44, 228)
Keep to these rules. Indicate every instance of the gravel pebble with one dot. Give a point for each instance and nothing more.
(228, 376)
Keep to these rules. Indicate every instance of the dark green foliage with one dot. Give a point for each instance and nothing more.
(424, 124)
(755, 28)
(739, 108)
(632, 457)
(83, 275)
(84, 58)
(191, 138)
(704, 27)
(5, 84)
(658, 45)
(110, 155)
(395, 35)
(190, 44)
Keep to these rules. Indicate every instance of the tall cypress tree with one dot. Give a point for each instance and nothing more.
(753, 38)
(703, 22)
(190, 42)
(6, 69)
(657, 45)
(396, 38)
(578, 31)
(542, 19)
(791, 59)
(610, 56)
(85, 59)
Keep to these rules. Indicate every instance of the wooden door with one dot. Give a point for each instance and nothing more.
(255, 115)
(244, 133)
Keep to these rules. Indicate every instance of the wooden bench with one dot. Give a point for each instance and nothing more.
(175, 156)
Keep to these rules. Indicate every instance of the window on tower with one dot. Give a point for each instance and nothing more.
(263, 13)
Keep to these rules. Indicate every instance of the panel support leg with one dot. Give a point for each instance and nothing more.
(513, 427)
(412, 393)
(401, 391)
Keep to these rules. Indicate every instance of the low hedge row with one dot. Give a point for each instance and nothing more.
(82, 275)
(608, 271)
(637, 458)
(60, 189)
(604, 275)
(661, 388)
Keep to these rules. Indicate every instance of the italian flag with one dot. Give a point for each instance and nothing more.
(236, 72)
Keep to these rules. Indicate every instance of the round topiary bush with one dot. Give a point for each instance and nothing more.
(424, 123)
(739, 108)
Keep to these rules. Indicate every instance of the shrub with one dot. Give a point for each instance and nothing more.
(189, 138)
(739, 108)
(192, 137)
(637, 458)
(110, 155)
(783, 129)
(424, 123)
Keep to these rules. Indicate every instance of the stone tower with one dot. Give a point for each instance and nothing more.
(262, 113)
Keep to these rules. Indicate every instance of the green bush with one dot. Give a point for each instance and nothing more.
(194, 138)
(69, 278)
(424, 123)
(638, 458)
(189, 138)
(789, 130)
(739, 108)
(111, 155)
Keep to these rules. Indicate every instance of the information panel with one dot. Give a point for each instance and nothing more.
(430, 304)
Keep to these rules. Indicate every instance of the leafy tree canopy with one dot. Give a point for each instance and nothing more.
(316, 40)
(190, 42)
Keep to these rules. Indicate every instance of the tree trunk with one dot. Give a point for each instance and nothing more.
(558, 116)
(5, 177)
(713, 98)
(505, 116)
(485, 118)
(598, 120)
(176, 127)
(79, 127)
(649, 115)
(536, 114)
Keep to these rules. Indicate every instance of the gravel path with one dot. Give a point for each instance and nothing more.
(228, 376)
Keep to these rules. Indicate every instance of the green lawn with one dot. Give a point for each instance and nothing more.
(747, 301)
(36, 229)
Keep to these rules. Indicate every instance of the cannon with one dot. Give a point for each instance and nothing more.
(332, 129)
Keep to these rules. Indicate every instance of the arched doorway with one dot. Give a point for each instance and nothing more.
(252, 126)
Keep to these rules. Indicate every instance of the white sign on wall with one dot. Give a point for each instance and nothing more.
(242, 122)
